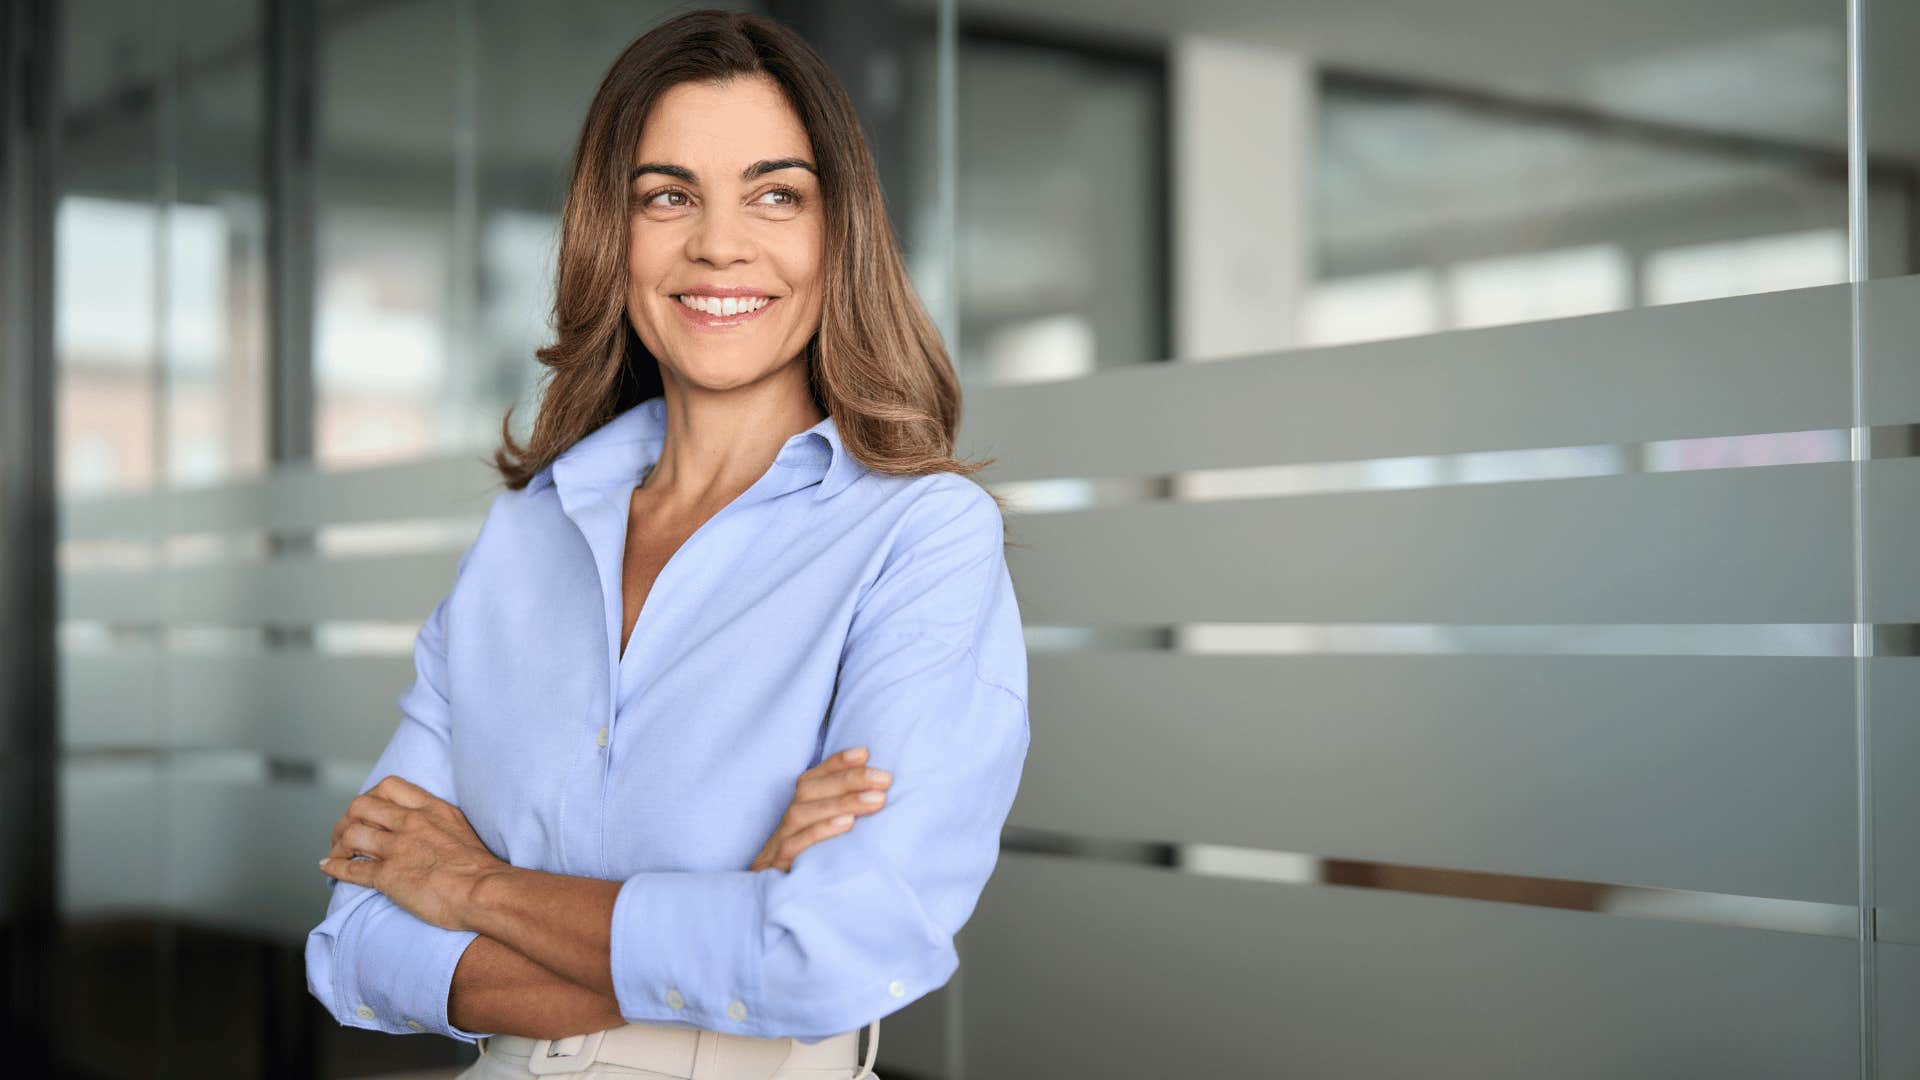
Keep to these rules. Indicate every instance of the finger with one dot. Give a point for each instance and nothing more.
(853, 778)
(405, 792)
(366, 838)
(357, 871)
(813, 834)
(855, 756)
(344, 849)
(375, 810)
(829, 767)
(857, 803)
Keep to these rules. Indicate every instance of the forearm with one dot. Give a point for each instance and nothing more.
(500, 990)
(560, 922)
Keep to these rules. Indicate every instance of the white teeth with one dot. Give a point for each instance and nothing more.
(731, 305)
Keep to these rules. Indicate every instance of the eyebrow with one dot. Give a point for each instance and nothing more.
(757, 169)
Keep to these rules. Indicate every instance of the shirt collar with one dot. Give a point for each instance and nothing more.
(623, 448)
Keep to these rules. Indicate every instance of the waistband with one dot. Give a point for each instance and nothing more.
(691, 1053)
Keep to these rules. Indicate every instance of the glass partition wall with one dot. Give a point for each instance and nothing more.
(1498, 659)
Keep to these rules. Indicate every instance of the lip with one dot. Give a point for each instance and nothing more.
(720, 290)
(700, 320)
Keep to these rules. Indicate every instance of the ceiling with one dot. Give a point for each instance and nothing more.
(1773, 69)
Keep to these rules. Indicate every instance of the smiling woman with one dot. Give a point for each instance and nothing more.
(723, 253)
(729, 156)
(711, 743)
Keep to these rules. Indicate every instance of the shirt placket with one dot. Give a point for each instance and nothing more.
(625, 673)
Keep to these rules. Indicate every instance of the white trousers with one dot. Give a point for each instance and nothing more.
(684, 1053)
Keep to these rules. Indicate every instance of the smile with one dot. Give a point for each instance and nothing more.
(724, 305)
(721, 312)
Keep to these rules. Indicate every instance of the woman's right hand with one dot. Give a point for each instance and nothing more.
(826, 799)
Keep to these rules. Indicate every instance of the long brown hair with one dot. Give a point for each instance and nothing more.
(878, 366)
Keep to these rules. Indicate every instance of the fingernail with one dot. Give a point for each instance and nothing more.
(872, 796)
(323, 864)
(843, 820)
(879, 776)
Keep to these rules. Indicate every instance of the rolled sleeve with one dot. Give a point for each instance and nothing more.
(371, 962)
(375, 965)
(932, 682)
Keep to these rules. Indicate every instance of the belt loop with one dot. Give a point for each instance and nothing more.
(706, 1055)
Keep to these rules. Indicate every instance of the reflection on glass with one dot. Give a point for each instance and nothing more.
(1540, 208)
(384, 232)
(1754, 264)
(1330, 179)
(1553, 284)
(1060, 208)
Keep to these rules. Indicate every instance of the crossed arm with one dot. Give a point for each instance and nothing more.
(539, 964)
(498, 989)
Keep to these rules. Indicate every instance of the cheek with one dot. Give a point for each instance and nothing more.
(644, 257)
(803, 266)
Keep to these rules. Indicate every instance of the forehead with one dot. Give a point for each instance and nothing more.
(737, 122)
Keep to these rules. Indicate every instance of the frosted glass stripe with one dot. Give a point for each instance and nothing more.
(294, 705)
(1731, 775)
(1889, 327)
(1893, 542)
(1894, 698)
(1438, 639)
(1724, 546)
(1769, 363)
(292, 499)
(1147, 973)
(291, 591)
(1447, 470)
(1296, 868)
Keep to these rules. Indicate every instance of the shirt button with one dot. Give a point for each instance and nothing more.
(736, 1010)
(364, 1012)
(675, 1000)
(602, 737)
(416, 1025)
(897, 988)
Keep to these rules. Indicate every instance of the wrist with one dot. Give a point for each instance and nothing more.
(484, 897)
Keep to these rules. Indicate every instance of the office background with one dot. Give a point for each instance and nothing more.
(1464, 459)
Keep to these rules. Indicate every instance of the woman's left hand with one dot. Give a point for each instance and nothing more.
(425, 856)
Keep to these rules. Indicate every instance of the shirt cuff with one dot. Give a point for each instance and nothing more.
(686, 948)
(692, 947)
(396, 972)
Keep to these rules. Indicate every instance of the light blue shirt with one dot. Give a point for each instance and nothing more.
(828, 606)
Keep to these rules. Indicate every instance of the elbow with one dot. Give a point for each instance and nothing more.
(875, 949)
(320, 971)
(832, 995)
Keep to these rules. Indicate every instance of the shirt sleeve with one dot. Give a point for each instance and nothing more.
(933, 681)
(371, 962)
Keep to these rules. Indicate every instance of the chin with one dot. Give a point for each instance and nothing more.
(716, 374)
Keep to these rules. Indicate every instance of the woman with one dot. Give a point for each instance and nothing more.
(735, 584)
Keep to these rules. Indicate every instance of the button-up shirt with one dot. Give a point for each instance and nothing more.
(828, 606)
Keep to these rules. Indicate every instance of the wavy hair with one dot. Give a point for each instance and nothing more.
(877, 366)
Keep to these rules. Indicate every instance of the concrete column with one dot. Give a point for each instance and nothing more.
(1242, 124)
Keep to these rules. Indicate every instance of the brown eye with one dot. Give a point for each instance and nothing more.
(666, 191)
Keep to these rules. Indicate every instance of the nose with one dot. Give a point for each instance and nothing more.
(720, 238)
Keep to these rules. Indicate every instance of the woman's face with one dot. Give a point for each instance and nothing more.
(725, 207)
